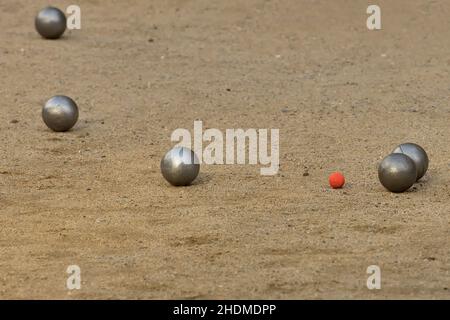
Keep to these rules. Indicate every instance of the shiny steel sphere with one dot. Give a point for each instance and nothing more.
(60, 113)
(50, 23)
(397, 172)
(417, 154)
(180, 166)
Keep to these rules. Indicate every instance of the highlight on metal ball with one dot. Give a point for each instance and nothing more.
(397, 172)
(60, 113)
(50, 23)
(180, 166)
(417, 154)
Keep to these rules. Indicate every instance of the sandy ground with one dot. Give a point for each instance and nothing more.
(342, 96)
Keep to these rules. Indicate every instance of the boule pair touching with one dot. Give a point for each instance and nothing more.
(403, 167)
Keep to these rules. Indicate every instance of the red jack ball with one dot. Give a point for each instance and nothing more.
(336, 180)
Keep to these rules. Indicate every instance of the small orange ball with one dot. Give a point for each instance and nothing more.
(336, 180)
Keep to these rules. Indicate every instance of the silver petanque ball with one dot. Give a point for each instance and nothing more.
(397, 172)
(51, 23)
(417, 154)
(60, 113)
(180, 166)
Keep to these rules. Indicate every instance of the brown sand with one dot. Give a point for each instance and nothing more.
(342, 97)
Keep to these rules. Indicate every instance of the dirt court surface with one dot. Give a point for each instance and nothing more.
(342, 96)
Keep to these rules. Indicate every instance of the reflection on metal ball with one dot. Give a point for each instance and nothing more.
(51, 23)
(60, 113)
(397, 172)
(180, 166)
(417, 154)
